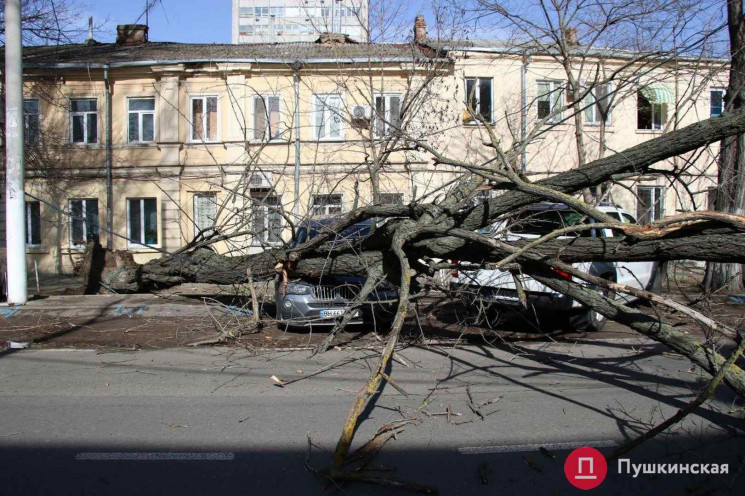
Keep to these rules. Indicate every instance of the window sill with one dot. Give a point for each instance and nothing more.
(36, 250)
(143, 248)
(476, 123)
(649, 131)
(217, 142)
(143, 144)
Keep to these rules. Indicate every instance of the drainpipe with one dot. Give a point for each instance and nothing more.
(296, 76)
(109, 194)
(524, 112)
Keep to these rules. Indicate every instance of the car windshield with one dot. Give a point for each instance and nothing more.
(353, 232)
(542, 222)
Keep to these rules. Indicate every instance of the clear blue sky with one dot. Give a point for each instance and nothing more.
(199, 21)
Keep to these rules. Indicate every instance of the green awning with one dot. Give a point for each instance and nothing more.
(658, 93)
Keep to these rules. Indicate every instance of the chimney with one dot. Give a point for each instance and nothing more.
(420, 30)
(570, 37)
(131, 34)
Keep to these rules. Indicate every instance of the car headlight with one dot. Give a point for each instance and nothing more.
(297, 288)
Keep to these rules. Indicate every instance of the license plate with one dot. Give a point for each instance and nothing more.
(337, 313)
(333, 313)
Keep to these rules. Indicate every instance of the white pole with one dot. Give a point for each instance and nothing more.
(15, 206)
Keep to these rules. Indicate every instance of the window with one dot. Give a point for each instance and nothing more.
(247, 11)
(33, 223)
(261, 11)
(649, 114)
(31, 130)
(391, 198)
(479, 97)
(326, 205)
(205, 212)
(716, 106)
(649, 203)
(549, 100)
(266, 218)
(204, 118)
(267, 119)
(277, 11)
(84, 222)
(142, 214)
(387, 114)
(84, 120)
(141, 120)
(598, 105)
(328, 121)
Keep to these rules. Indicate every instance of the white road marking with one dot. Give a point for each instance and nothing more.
(517, 448)
(215, 456)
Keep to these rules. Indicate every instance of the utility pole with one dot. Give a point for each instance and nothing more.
(15, 202)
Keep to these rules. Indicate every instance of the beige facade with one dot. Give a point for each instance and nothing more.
(199, 143)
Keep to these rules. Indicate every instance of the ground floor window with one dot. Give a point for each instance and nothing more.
(266, 221)
(649, 203)
(84, 221)
(391, 198)
(33, 223)
(142, 221)
(205, 212)
(326, 205)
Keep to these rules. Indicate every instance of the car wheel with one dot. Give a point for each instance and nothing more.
(590, 319)
(655, 283)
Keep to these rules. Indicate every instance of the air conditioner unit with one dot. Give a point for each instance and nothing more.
(261, 180)
(361, 112)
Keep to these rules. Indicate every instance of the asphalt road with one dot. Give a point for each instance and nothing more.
(212, 422)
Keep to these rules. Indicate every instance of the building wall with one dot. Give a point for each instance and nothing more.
(175, 168)
(271, 21)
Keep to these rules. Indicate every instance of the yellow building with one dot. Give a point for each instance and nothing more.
(159, 143)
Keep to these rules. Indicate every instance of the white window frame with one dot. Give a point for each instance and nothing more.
(218, 131)
(327, 206)
(140, 113)
(259, 201)
(85, 141)
(387, 117)
(658, 195)
(132, 244)
(319, 102)
(196, 195)
(477, 91)
(554, 86)
(281, 129)
(85, 216)
(716, 90)
(38, 123)
(663, 110)
(29, 225)
(592, 105)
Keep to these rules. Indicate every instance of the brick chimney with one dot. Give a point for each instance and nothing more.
(420, 30)
(131, 34)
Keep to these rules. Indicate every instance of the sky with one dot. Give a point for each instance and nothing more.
(197, 21)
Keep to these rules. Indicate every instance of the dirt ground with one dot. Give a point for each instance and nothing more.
(436, 319)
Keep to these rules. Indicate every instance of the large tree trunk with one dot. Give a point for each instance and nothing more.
(730, 193)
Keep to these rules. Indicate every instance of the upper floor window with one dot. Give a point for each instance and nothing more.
(31, 129)
(84, 120)
(326, 205)
(204, 118)
(479, 98)
(652, 103)
(267, 117)
(387, 114)
(328, 117)
(649, 203)
(33, 223)
(141, 120)
(550, 100)
(598, 105)
(716, 105)
(83, 221)
(142, 221)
